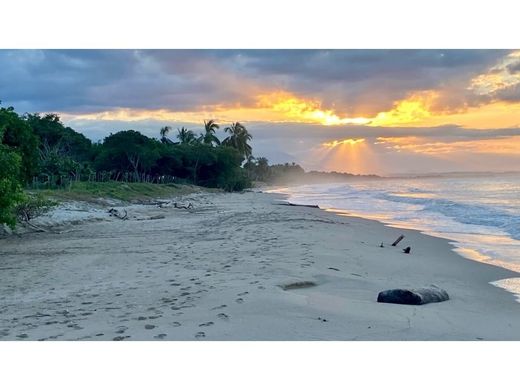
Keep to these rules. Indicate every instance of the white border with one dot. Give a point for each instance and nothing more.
(259, 24)
(258, 365)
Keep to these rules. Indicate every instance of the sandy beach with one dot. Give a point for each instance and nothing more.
(216, 272)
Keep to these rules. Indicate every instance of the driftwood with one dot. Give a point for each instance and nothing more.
(35, 228)
(314, 206)
(117, 214)
(420, 296)
(398, 240)
(181, 206)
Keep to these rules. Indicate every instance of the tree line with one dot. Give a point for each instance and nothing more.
(39, 150)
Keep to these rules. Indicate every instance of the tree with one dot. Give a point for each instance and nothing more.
(128, 151)
(164, 132)
(64, 140)
(185, 136)
(257, 168)
(19, 136)
(209, 137)
(10, 185)
(238, 138)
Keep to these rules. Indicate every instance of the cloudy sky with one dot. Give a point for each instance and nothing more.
(360, 111)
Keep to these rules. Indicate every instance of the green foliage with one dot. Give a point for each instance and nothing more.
(18, 135)
(53, 155)
(128, 151)
(258, 169)
(10, 186)
(186, 137)
(64, 140)
(209, 137)
(32, 206)
(238, 138)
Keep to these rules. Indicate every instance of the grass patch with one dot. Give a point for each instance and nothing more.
(126, 192)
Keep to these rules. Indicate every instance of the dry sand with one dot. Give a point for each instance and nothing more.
(214, 273)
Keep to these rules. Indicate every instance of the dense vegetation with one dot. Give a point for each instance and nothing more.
(38, 151)
(258, 169)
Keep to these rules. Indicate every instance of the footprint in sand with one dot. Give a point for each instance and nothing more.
(121, 329)
(209, 323)
(223, 316)
(149, 327)
(239, 300)
(242, 294)
(219, 307)
(160, 336)
(120, 338)
(200, 335)
(176, 324)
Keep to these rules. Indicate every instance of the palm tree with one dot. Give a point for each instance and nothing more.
(185, 136)
(209, 137)
(164, 132)
(238, 138)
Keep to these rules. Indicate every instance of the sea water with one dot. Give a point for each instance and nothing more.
(479, 213)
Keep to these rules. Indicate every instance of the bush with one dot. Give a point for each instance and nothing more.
(33, 206)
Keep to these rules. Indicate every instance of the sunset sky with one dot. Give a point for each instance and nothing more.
(359, 111)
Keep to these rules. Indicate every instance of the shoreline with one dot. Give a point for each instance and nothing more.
(511, 285)
(216, 274)
(463, 248)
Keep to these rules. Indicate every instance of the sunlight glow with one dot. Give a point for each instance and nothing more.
(415, 108)
(300, 110)
(348, 141)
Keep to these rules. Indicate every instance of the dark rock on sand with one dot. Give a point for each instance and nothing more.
(419, 296)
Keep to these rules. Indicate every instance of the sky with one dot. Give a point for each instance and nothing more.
(358, 111)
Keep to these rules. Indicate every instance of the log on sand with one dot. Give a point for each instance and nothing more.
(420, 296)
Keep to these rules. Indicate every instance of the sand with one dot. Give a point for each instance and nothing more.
(239, 267)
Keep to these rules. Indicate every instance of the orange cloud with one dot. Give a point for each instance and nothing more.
(421, 145)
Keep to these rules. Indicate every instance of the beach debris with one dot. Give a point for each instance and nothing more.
(116, 213)
(157, 217)
(398, 240)
(381, 246)
(314, 206)
(407, 250)
(183, 206)
(295, 285)
(420, 296)
(322, 319)
(334, 269)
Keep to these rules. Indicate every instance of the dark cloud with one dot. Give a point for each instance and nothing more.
(514, 68)
(353, 81)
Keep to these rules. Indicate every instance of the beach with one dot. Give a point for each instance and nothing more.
(220, 271)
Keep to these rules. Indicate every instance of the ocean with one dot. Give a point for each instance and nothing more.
(478, 213)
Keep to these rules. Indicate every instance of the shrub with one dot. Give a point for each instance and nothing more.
(33, 206)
